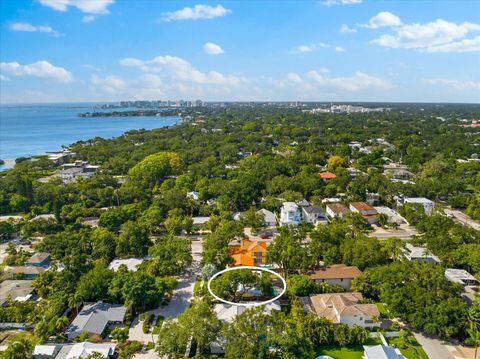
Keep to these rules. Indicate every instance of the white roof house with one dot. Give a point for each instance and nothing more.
(290, 214)
(84, 349)
(227, 312)
(131, 264)
(193, 195)
(460, 276)
(45, 351)
(425, 202)
(421, 254)
(381, 352)
(200, 220)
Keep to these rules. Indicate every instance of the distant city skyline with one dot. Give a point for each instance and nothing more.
(328, 50)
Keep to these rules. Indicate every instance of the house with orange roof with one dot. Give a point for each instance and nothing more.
(249, 253)
(327, 176)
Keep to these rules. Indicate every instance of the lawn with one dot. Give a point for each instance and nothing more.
(412, 351)
(350, 352)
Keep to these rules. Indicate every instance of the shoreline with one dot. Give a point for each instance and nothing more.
(10, 162)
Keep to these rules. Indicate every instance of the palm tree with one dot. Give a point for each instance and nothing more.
(474, 340)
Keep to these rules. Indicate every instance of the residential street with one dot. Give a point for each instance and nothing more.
(179, 302)
(463, 218)
(434, 348)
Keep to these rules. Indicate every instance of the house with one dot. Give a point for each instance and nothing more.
(59, 158)
(200, 221)
(426, 203)
(39, 260)
(46, 351)
(460, 276)
(373, 199)
(84, 349)
(290, 214)
(337, 274)
(249, 253)
(18, 290)
(367, 211)
(269, 219)
(131, 264)
(314, 214)
(342, 308)
(227, 312)
(327, 176)
(419, 254)
(95, 317)
(26, 272)
(397, 171)
(381, 351)
(336, 210)
(78, 169)
(193, 195)
(303, 203)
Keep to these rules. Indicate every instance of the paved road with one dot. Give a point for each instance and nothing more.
(434, 347)
(179, 302)
(463, 218)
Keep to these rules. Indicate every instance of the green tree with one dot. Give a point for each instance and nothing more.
(153, 169)
(132, 241)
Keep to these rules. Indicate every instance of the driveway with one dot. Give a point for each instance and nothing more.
(435, 348)
(177, 305)
(184, 291)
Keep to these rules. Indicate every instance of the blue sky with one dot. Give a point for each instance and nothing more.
(340, 50)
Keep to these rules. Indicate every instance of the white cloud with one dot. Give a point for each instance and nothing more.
(181, 70)
(3, 78)
(454, 84)
(346, 30)
(88, 18)
(25, 26)
(98, 7)
(383, 19)
(436, 36)
(302, 49)
(341, 2)
(197, 12)
(339, 49)
(357, 82)
(212, 49)
(42, 69)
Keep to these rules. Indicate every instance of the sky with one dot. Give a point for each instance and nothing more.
(325, 50)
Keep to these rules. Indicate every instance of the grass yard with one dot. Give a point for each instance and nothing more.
(412, 351)
(350, 352)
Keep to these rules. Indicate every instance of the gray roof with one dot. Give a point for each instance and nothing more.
(15, 289)
(314, 209)
(94, 317)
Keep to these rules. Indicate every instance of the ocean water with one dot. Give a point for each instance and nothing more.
(27, 130)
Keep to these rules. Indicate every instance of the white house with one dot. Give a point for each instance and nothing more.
(131, 264)
(336, 210)
(193, 195)
(426, 203)
(460, 276)
(419, 254)
(290, 214)
(342, 308)
(269, 219)
(84, 349)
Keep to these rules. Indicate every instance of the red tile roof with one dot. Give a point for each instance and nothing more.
(327, 175)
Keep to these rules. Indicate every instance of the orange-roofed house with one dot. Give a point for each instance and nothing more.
(249, 253)
(327, 176)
